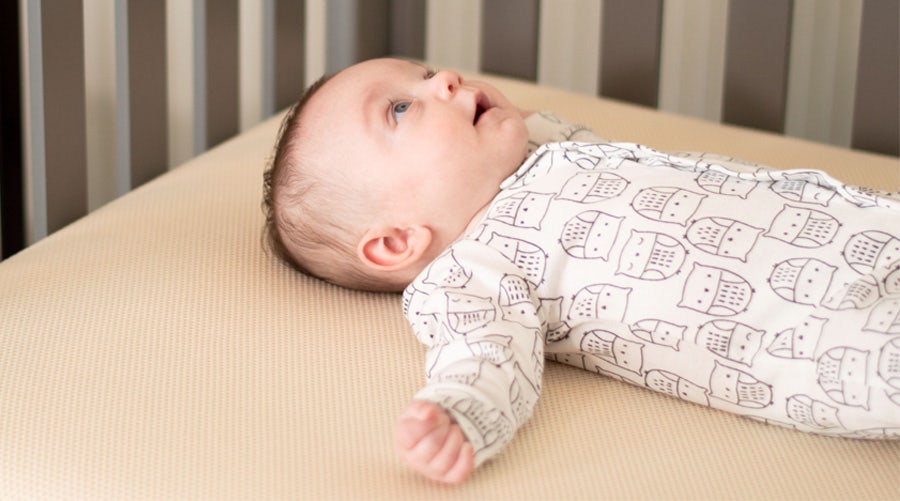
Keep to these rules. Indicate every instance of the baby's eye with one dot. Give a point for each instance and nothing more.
(430, 72)
(400, 108)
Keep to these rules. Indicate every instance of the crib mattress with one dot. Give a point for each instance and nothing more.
(153, 350)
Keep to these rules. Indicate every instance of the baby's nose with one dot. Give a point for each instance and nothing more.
(446, 83)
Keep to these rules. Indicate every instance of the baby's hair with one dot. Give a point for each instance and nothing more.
(277, 175)
(306, 217)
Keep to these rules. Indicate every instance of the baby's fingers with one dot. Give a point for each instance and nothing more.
(429, 442)
(417, 421)
(454, 461)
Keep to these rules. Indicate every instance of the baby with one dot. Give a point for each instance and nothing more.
(772, 294)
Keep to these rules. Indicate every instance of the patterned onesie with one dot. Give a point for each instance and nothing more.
(770, 294)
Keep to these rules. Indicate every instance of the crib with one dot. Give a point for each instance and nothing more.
(150, 348)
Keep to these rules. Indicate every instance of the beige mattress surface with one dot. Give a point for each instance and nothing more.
(152, 350)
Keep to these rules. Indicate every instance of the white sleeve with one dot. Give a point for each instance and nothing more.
(546, 127)
(485, 360)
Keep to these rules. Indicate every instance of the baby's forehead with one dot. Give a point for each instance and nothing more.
(367, 74)
(343, 106)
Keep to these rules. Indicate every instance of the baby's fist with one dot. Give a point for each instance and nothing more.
(432, 444)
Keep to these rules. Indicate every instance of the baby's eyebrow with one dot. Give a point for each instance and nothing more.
(369, 109)
(423, 66)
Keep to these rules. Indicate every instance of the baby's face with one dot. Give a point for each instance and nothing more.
(429, 148)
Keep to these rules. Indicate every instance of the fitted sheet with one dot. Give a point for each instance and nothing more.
(153, 350)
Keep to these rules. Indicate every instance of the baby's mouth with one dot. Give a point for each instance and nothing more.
(481, 106)
(479, 110)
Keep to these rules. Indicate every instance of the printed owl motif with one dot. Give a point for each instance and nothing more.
(879, 433)
(466, 312)
(731, 340)
(592, 186)
(871, 250)
(524, 209)
(489, 426)
(538, 165)
(842, 374)
(889, 365)
(729, 162)
(807, 411)
(802, 190)
(715, 291)
(522, 395)
(425, 311)
(447, 271)
(513, 290)
(530, 258)
(574, 359)
(426, 325)
(802, 227)
(723, 237)
(614, 349)
(515, 303)
(494, 348)
(590, 235)
(863, 197)
(884, 317)
(861, 293)
(582, 159)
(721, 183)
(651, 256)
(551, 313)
(433, 357)
(667, 204)
(799, 342)
(466, 371)
(659, 332)
(413, 299)
(892, 281)
(537, 359)
(802, 280)
(739, 388)
(599, 301)
(674, 385)
(615, 150)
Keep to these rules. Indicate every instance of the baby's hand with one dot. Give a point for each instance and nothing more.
(432, 444)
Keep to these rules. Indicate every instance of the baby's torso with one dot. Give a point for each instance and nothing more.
(627, 234)
(629, 261)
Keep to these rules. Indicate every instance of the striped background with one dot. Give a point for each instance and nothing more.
(114, 92)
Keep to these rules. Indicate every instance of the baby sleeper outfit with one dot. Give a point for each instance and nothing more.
(770, 294)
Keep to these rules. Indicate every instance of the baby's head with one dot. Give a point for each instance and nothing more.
(380, 167)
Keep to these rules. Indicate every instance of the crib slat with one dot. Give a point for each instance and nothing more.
(876, 120)
(357, 30)
(509, 31)
(630, 50)
(57, 121)
(407, 25)
(289, 48)
(141, 75)
(222, 110)
(569, 45)
(452, 37)
(12, 208)
(756, 63)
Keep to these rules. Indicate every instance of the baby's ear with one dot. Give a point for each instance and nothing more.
(393, 249)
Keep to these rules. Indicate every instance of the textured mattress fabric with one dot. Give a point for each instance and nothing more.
(153, 350)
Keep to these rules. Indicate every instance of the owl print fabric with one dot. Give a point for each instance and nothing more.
(770, 294)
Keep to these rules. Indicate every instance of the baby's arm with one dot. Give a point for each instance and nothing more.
(429, 442)
(478, 315)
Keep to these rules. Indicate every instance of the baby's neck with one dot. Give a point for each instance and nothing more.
(473, 223)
